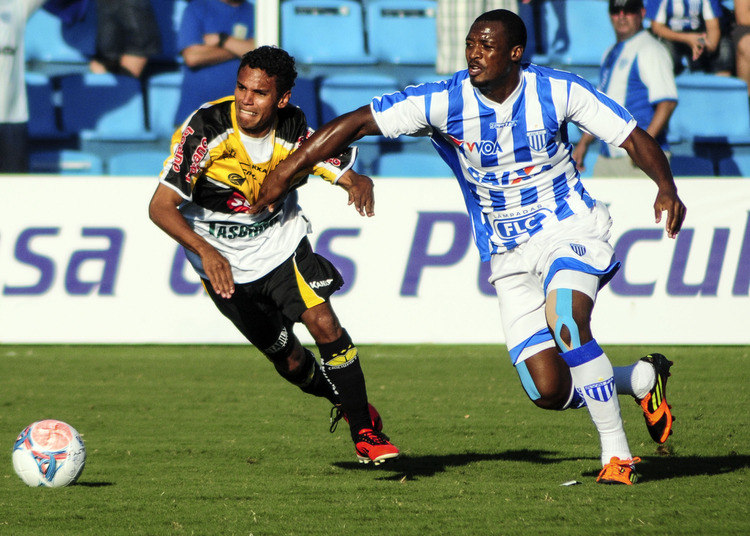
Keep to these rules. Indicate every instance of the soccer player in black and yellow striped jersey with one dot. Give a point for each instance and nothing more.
(260, 269)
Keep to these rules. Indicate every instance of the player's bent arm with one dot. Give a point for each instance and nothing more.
(648, 156)
(164, 213)
(331, 139)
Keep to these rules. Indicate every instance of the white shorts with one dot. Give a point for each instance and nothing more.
(574, 254)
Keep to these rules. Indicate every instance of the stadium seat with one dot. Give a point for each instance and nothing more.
(324, 32)
(141, 163)
(345, 92)
(691, 166)
(411, 164)
(711, 106)
(104, 107)
(42, 115)
(163, 97)
(168, 15)
(305, 95)
(576, 32)
(66, 162)
(402, 31)
(737, 165)
(48, 40)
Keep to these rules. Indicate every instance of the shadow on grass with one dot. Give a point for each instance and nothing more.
(94, 484)
(411, 467)
(654, 468)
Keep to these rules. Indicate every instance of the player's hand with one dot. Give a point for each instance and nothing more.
(218, 271)
(667, 199)
(272, 191)
(360, 189)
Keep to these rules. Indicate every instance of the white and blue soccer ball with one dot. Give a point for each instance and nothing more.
(49, 453)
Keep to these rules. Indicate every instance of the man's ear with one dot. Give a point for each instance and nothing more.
(517, 53)
(284, 99)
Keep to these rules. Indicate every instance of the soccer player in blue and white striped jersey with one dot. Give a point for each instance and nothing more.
(501, 128)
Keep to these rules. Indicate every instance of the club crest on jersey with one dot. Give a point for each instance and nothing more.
(578, 249)
(601, 391)
(537, 139)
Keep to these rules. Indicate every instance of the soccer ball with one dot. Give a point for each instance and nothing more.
(49, 453)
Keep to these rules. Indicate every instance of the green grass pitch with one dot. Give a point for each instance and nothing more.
(208, 440)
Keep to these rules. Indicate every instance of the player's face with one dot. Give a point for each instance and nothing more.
(257, 101)
(627, 23)
(492, 62)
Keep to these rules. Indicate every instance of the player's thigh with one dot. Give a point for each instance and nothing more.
(304, 282)
(257, 318)
(522, 305)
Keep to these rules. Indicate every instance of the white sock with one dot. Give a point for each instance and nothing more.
(594, 379)
(636, 379)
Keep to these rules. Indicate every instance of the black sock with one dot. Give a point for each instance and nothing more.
(310, 379)
(340, 364)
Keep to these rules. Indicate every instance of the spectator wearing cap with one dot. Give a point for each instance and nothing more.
(637, 73)
(692, 32)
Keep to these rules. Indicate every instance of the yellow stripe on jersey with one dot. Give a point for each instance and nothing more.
(309, 296)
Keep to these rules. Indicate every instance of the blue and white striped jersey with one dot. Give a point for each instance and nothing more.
(512, 160)
(638, 74)
(684, 15)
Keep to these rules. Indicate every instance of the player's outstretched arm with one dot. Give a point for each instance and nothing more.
(163, 212)
(331, 139)
(648, 156)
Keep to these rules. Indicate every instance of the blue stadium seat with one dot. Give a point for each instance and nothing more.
(42, 115)
(737, 165)
(305, 96)
(66, 162)
(168, 15)
(324, 32)
(48, 40)
(104, 107)
(691, 166)
(345, 92)
(576, 32)
(402, 31)
(141, 163)
(163, 91)
(711, 106)
(411, 164)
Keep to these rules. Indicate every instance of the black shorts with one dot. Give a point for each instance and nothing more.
(265, 309)
(126, 27)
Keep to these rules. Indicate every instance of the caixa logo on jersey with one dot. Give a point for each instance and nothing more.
(512, 227)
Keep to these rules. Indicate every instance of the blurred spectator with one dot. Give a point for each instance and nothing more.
(213, 35)
(741, 39)
(14, 109)
(126, 36)
(637, 73)
(454, 18)
(695, 31)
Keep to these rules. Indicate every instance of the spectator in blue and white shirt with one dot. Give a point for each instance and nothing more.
(501, 126)
(637, 73)
(694, 31)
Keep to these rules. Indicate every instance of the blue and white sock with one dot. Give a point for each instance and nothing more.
(594, 379)
(636, 379)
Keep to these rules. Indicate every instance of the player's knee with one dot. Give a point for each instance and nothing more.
(547, 391)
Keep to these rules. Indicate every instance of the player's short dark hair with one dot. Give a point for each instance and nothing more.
(275, 62)
(514, 27)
